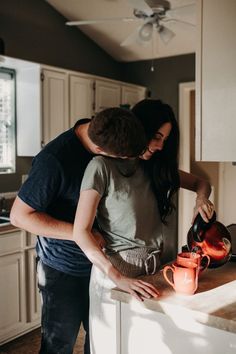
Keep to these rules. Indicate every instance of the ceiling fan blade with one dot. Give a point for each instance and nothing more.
(132, 38)
(141, 5)
(178, 20)
(100, 20)
(186, 13)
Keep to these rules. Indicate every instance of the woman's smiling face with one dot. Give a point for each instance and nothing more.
(157, 142)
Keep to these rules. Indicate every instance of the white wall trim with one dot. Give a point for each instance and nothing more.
(184, 162)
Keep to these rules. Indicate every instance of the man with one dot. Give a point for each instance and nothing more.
(46, 206)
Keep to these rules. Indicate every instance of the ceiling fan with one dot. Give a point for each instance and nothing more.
(154, 15)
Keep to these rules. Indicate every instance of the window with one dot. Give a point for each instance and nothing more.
(7, 121)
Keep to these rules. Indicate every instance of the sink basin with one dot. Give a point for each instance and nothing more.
(4, 220)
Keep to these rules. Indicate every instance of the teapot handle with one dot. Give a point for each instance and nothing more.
(200, 226)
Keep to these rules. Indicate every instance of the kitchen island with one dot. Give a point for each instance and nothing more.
(176, 324)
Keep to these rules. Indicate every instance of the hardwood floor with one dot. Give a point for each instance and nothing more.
(30, 342)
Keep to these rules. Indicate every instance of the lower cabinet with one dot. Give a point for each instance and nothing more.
(20, 300)
(141, 330)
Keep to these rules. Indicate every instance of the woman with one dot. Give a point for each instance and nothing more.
(125, 196)
(162, 132)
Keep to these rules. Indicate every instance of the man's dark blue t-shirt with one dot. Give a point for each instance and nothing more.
(53, 187)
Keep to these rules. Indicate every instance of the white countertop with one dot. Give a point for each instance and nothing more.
(213, 304)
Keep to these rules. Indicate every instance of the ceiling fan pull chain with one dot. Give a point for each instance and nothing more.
(152, 62)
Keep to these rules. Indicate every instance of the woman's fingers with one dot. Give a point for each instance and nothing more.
(144, 289)
(150, 288)
(205, 207)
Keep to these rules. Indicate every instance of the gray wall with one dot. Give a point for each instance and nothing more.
(33, 30)
(164, 80)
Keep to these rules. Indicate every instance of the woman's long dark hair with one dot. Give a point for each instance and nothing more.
(163, 165)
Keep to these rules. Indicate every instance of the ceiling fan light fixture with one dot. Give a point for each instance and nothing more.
(165, 34)
(145, 32)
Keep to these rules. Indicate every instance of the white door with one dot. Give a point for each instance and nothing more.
(107, 94)
(130, 95)
(55, 104)
(206, 170)
(81, 98)
(12, 304)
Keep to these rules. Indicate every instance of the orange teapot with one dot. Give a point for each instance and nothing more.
(212, 239)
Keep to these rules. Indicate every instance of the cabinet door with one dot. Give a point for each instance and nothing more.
(81, 98)
(107, 94)
(12, 290)
(216, 81)
(130, 95)
(55, 104)
(146, 331)
(34, 302)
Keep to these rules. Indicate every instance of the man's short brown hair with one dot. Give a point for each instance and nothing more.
(118, 132)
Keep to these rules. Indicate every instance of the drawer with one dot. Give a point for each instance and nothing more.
(11, 242)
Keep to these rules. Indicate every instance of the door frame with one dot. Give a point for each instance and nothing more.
(185, 197)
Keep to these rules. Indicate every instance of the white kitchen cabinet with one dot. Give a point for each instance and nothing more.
(216, 81)
(20, 302)
(80, 98)
(107, 94)
(12, 285)
(130, 95)
(145, 331)
(178, 324)
(49, 100)
(34, 302)
(12, 304)
(55, 110)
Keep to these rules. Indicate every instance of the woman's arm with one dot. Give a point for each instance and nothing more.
(203, 189)
(85, 214)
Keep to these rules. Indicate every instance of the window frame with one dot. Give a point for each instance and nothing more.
(11, 167)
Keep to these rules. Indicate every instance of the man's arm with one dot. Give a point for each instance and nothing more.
(39, 223)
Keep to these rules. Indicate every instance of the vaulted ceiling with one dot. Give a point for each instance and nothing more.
(110, 34)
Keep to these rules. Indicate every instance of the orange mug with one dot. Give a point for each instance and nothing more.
(187, 258)
(184, 279)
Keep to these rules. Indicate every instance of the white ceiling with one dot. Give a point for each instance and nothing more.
(109, 35)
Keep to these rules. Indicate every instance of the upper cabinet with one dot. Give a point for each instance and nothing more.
(132, 94)
(216, 81)
(49, 100)
(107, 94)
(55, 113)
(80, 98)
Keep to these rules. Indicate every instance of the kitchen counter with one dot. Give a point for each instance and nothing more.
(213, 304)
(178, 324)
(7, 228)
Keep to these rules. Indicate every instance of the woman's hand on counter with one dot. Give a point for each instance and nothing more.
(136, 287)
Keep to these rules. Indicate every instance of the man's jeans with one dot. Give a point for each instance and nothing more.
(65, 305)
